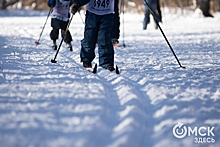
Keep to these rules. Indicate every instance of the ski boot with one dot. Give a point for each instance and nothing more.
(54, 45)
(87, 64)
(69, 46)
(110, 68)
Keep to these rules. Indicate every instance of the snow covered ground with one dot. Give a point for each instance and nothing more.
(61, 105)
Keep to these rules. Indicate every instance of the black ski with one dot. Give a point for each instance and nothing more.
(92, 70)
(117, 70)
(95, 69)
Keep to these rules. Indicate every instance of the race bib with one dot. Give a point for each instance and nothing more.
(61, 10)
(101, 7)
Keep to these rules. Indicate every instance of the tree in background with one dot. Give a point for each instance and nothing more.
(5, 3)
(32, 4)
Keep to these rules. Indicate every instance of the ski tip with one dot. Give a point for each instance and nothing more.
(117, 70)
(37, 43)
(53, 61)
(95, 69)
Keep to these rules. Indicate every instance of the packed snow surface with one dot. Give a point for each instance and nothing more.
(44, 104)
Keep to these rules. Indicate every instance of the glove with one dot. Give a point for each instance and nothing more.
(51, 3)
(74, 7)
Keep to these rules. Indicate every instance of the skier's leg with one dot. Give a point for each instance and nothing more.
(146, 17)
(154, 7)
(105, 50)
(88, 44)
(68, 37)
(54, 34)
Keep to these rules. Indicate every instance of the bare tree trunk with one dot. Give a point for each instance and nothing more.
(5, 4)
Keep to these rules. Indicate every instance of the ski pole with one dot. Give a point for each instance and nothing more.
(163, 34)
(37, 42)
(123, 11)
(67, 28)
(81, 17)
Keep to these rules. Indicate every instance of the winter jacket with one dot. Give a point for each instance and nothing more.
(60, 9)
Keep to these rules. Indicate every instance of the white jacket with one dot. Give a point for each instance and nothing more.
(61, 10)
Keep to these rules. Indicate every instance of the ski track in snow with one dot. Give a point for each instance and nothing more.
(45, 104)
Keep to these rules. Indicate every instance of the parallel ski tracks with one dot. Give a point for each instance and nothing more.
(131, 99)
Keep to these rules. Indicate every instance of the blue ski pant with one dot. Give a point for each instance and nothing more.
(97, 30)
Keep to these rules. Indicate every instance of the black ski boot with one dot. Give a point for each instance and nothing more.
(54, 45)
(69, 45)
(87, 64)
(110, 68)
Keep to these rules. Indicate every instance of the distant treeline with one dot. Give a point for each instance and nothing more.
(130, 5)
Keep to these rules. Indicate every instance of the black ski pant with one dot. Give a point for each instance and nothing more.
(57, 25)
(54, 35)
(115, 33)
